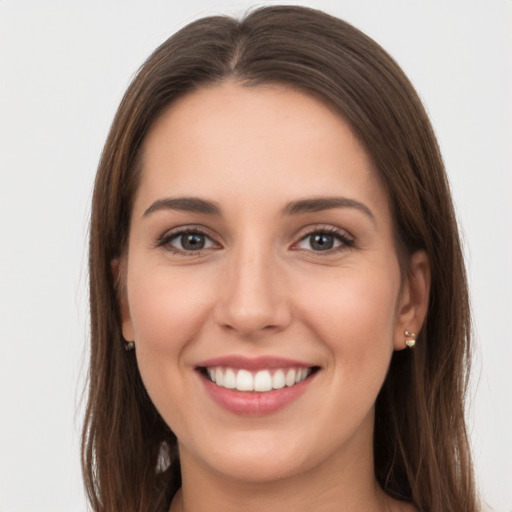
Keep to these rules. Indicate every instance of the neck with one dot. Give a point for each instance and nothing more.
(343, 482)
(286, 497)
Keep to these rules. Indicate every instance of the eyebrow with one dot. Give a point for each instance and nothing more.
(197, 205)
(326, 203)
(184, 204)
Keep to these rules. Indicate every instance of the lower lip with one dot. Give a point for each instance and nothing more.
(254, 403)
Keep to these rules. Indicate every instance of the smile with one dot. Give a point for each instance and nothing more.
(255, 386)
(261, 381)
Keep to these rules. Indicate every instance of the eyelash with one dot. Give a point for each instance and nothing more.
(166, 240)
(344, 240)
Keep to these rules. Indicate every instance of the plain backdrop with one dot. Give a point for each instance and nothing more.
(64, 65)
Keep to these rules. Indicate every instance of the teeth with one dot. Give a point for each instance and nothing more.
(229, 379)
(301, 375)
(244, 380)
(261, 381)
(219, 376)
(290, 378)
(278, 380)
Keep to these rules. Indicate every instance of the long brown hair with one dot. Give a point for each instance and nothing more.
(421, 452)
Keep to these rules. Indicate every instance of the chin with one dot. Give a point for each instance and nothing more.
(255, 457)
(263, 468)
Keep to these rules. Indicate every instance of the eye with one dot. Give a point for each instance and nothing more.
(187, 241)
(325, 240)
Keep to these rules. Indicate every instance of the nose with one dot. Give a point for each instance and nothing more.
(253, 296)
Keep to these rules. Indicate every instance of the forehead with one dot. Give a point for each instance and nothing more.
(252, 116)
(254, 143)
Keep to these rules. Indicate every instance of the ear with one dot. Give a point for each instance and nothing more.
(414, 298)
(118, 267)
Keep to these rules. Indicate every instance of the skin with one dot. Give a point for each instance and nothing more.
(260, 287)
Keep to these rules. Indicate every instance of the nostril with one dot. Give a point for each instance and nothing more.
(250, 322)
(253, 314)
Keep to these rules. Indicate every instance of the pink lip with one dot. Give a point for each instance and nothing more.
(253, 403)
(252, 364)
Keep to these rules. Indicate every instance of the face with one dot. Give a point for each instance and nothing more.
(261, 257)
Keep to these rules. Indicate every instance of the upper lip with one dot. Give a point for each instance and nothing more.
(252, 363)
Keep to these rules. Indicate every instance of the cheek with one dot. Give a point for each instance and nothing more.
(354, 315)
(361, 302)
(165, 309)
(167, 312)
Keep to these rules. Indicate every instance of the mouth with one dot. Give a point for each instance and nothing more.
(261, 381)
(255, 387)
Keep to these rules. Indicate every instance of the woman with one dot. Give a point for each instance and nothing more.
(279, 311)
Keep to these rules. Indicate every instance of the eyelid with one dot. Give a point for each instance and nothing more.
(347, 241)
(164, 241)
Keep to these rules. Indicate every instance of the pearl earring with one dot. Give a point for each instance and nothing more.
(410, 343)
(129, 346)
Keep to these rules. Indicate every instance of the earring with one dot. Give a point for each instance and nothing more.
(129, 346)
(410, 343)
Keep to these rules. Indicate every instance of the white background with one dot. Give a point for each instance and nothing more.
(63, 68)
